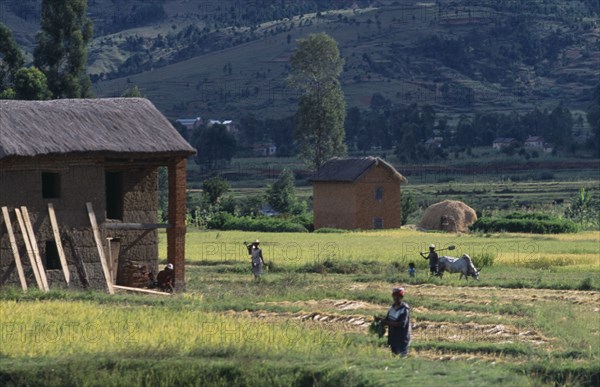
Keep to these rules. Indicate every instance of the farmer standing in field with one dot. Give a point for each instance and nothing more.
(398, 322)
(434, 259)
(257, 259)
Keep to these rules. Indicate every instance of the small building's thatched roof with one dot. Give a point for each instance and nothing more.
(352, 169)
(117, 125)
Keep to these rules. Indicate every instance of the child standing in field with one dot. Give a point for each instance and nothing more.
(412, 270)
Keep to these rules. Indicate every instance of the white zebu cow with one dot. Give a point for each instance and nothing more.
(462, 265)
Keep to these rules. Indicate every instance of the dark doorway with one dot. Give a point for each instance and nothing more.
(114, 195)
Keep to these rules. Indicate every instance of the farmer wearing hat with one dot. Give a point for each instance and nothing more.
(166, 278)
(257, 259)
(434, 259)
(398, 323)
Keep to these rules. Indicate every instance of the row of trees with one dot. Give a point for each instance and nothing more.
(59, 58)
(403, 127)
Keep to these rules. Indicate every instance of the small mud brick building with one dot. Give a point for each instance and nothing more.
(357, 193)
(103, 151)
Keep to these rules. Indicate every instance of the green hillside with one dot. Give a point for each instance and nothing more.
(455, 58)
(223, 59)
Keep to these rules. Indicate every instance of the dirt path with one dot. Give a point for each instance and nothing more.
(329, 314)
(489, 295)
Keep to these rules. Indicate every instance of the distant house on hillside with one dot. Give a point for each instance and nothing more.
(106, 152)
(229, 124)
(534, 142)
(357, 193)
(190, 123)
(264, 149)
(210, 123)
(503, 142)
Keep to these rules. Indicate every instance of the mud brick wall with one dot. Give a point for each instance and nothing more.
(140, 205)
(334, 205)
(388, 209)
(81, 180)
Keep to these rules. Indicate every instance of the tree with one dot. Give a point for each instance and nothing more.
(465, 132)
(353, 125)
(593, 117)
(581, 209)
(214, 188)
(30, 84)
(281, 195)
(408, 207)
(11, 58)
(315, 67)
(214, 144)
(250, 128)
(560, 130)
(134, 92)
(60, 52)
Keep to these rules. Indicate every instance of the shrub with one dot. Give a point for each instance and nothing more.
(585, 284)
(305, 219)
(535, 223)
(226, 221)
(483, 260)
(330, 230)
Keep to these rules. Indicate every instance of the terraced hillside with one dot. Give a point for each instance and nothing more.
(227, 58)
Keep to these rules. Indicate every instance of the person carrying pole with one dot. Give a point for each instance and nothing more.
(434, 260)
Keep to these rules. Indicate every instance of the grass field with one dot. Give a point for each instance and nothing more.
(531, 320)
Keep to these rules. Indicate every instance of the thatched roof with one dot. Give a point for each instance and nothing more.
(449, 215)
(352, 169)
(117, 125)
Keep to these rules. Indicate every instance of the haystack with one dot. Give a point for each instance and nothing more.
(449, 215)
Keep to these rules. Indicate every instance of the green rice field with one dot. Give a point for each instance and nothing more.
(531, 320)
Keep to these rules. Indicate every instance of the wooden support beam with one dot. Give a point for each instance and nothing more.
(59, 246)
(35, 248)
(141, 290)
(98, 240)
(15, 248)
(136, 226)
(177, 212)
(29, 249)
(113, 249)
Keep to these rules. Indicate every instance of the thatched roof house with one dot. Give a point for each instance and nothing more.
(100, 151)
(119, 125)
(357, 193)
